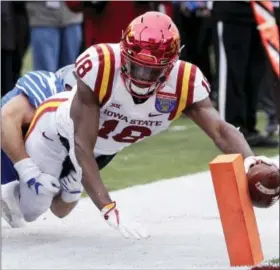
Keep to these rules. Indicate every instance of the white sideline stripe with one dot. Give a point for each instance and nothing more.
(181, 128)
(222, 71)
(180, 213)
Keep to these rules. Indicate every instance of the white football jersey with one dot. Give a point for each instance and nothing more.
(122, 122)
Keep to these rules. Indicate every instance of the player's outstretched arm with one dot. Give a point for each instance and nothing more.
(226, 136)
(15, 114)
(228, 139)
(85, 116)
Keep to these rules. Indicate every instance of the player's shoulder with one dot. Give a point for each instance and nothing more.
(40, 80)
(99, 54)
(190, 81)
(97, 67)
(39, 85)
(190, 71)
(39, 76)
(184, 70)
(189, 86)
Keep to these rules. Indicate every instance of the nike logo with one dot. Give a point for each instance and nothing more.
(37, 185)
(32, 182)
(46, 137)
(154, 115)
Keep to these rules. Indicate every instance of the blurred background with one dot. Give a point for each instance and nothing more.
(221, 38)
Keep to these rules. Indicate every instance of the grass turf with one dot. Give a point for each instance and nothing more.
(275, 261)
(273, 264)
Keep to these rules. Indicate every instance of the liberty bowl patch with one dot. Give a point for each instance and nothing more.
(165, 103)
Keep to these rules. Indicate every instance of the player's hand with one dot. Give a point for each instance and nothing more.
(253, 160)
(126, 227)
(71, 187)
(41, 183)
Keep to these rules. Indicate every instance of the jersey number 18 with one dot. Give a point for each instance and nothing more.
(83, 66)
(129, 134)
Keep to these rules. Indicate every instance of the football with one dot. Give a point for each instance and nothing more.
(264, 185)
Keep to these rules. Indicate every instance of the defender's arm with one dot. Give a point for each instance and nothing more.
(85, 116)
(17, 113)
(225, 136)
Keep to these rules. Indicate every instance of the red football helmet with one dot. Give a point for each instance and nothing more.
(149, 48)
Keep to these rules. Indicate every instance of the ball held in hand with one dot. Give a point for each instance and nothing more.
(264, 185)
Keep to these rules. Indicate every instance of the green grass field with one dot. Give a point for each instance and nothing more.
(27, 62)
(275, 261)
(170, 154)
(273, 264)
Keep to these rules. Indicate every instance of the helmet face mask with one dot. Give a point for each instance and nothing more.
(143, 73)
(140, 90)
(149, 48)
(142, 78)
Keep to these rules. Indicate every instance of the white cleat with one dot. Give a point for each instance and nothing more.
(10, 205)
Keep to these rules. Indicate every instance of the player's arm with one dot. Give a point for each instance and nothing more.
(85, 115)
(60, 208)
(227, 138)
(18, 112)
(34, 88)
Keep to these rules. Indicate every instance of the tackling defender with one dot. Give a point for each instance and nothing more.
(17, 110)
(125, 92)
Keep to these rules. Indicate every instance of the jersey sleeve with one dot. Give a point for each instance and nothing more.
(38, 86)
(191, 87)
(201, 87)
(96, 68)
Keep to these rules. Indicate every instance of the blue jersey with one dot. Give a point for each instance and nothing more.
(37, 86)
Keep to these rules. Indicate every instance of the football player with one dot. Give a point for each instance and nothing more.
(17, 110)
(126, 92)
